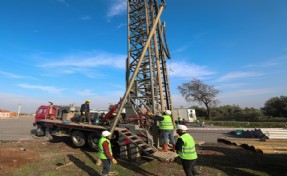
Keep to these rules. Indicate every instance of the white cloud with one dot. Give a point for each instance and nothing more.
(270, 63)
(246, 93)
(233, 85)
(236, 75)
(11, 75)
(48, 89)
(121, 25)
(82, 62)
(248, 97)
(182, 48)
(86, 92)
(117, 8)
(186, 70)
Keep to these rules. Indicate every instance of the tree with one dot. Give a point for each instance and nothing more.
(197, 91)
(276, 107)
(235, 112)
(200, 111)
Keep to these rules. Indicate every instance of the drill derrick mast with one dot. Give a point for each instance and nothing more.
(151, 85)
(147, 81)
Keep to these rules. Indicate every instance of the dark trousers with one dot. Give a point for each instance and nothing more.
(86, 118)
(107, 165)
(189, 167)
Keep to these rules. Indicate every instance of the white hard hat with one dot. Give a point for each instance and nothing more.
(167, 112)
(181, 127)
(106, 133)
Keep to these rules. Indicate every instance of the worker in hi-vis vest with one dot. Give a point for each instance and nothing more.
(185, 147)
(105, 153)
(166, 128)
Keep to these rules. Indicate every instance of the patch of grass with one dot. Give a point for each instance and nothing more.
(28, 169)
(233, 161)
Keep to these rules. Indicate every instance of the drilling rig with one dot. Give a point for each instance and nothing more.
(147, 89)
(147, 79)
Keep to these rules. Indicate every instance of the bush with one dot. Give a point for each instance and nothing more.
(234, 112)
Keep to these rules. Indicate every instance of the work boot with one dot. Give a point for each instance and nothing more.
(164, 148)
(173, 148)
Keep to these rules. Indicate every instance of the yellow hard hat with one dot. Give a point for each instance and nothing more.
(88, 101)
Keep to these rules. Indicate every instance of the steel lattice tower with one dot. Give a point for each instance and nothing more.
(151, 88)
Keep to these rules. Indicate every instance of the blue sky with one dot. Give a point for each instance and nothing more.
(67, 51)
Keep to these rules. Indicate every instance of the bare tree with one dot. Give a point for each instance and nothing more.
(197, 91)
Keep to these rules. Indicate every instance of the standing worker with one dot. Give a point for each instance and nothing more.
(185, 147)
(166, 128)
(85, 112)
(105, 153)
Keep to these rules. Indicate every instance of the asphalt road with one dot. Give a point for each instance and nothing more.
(20, 129)
(16, 129)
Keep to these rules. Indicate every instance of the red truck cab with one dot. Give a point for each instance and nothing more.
(46, 112)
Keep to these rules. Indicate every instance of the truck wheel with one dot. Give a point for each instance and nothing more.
(93, 140)
(40, 131)
(78, 138)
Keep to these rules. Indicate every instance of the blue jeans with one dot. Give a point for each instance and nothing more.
(168, 134)
(107, 165)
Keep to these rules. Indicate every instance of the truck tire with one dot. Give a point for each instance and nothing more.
(78, 138)
(40, 131)
(93, 140)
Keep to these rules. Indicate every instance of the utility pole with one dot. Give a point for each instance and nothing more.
(19, 109)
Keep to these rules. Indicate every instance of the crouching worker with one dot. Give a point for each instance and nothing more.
(105, 153)
(185, 147)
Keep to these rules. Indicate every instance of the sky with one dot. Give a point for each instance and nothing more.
(67, 51)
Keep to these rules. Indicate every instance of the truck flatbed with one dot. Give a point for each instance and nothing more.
(70, 124)
(80, 131)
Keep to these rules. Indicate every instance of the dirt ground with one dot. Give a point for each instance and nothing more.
(58, 157)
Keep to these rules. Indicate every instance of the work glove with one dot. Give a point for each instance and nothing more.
(114, 161)
(149, 113)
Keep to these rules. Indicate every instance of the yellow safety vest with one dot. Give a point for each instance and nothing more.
(166, 123)
(188, 151)
(101, 153)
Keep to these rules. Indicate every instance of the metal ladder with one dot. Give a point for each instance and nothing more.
(143, 146)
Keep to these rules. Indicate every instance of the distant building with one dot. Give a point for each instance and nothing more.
(13, 114)
(184, 114)
(4, 114)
